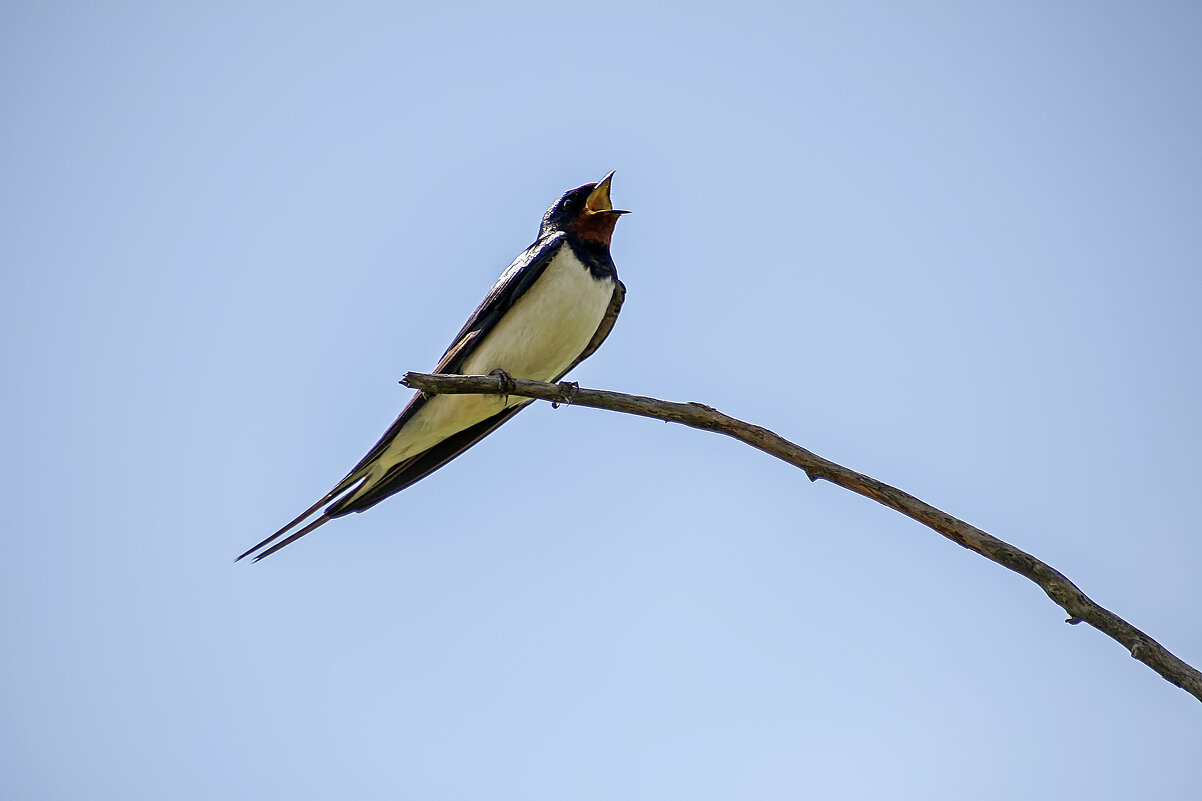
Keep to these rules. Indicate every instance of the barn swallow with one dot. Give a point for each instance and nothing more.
(548, 312)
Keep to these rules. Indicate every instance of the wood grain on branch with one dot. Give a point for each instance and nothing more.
(1079, 606)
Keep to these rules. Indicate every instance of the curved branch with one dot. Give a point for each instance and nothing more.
(695, 415)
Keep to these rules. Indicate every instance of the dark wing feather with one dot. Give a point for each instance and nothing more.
(512, 284)
(414, 469)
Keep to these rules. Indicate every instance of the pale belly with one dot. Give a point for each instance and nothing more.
(538, 338)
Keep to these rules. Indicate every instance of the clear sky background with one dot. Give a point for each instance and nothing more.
(955, 246)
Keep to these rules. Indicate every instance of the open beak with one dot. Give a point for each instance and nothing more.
(598, 200)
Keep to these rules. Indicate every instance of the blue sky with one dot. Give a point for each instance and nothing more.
(954, 247)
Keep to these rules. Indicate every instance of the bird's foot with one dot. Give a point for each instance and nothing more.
(571, 387)
(505, 382)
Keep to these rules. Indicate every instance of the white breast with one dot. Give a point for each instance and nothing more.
(543, 333)
(549, 326)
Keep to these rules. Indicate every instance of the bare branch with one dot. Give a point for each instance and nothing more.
(695, 415)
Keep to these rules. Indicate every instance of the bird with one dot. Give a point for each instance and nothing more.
(549, 311)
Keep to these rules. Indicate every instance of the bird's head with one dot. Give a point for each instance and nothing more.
(585, 211)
